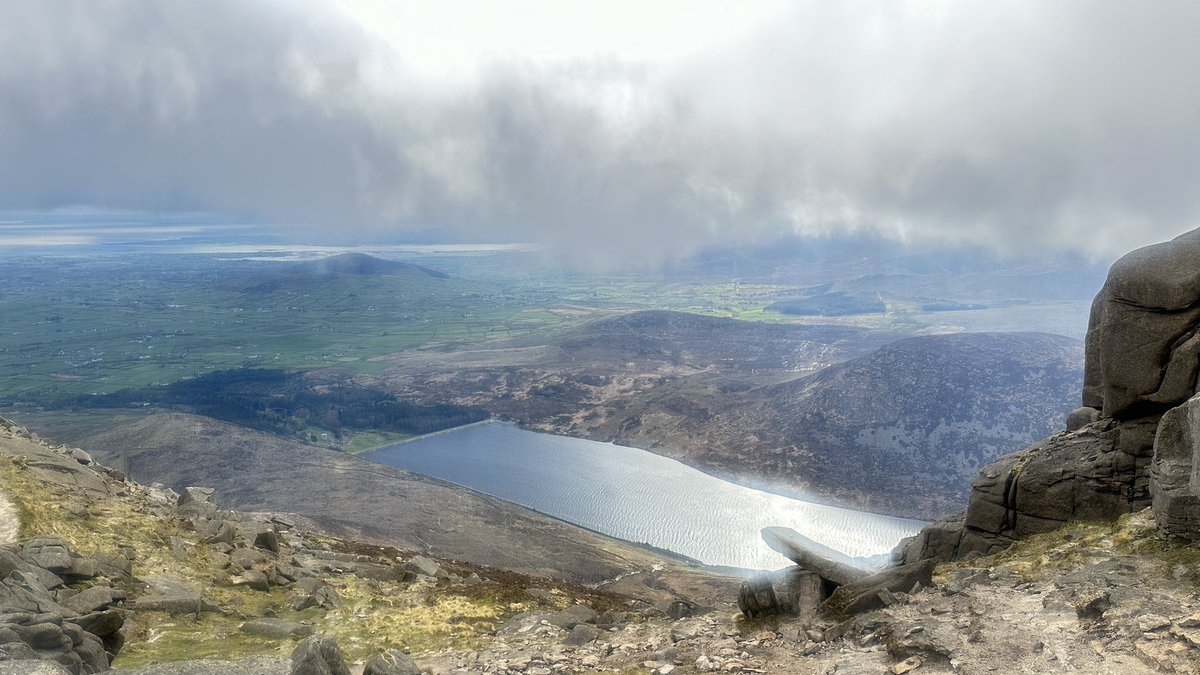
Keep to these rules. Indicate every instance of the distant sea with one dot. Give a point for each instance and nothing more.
(637, 495)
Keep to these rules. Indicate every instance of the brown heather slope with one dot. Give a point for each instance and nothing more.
(253, 471)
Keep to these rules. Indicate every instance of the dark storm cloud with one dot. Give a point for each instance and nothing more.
(1014, 124)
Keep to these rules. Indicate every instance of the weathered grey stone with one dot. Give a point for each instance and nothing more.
(864, 594)
(582, 634)
(23, 592)
(253, 579)
(937, 541)
(81, 569)
(815, 557)
(226, 533)
(17, 651)
(323, 596)
(1143, 348)
(675, 609)
(419, 564)
(11, 561)
(391, 663)
(101, 624)
(1097, 473)
(46, 636)
(792, 590)
(91, 600)
(572, 616)
(1175, 473)
(276, 629)
(195, 495)
(268, 540)
(319, 655)
(113, 565)
(246, 558)
(1081, 417)
(49, 553)
(916, 641)
(387, 572)
(92, 653)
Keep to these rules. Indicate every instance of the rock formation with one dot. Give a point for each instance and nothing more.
(1142, 361)
(1134, 444)
(1143, 350)
(1175, 473)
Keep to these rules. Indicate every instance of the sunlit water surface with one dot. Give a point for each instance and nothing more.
(637, 495)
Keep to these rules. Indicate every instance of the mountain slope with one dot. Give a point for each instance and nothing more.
(901, 430)
(333, 267)
(934, 408)
(358, 265)
(253, 471)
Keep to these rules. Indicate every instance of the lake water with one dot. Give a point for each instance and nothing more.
(637, 495)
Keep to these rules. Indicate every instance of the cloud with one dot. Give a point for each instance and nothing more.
(1019, 125)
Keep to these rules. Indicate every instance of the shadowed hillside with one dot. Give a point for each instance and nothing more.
(342, 265)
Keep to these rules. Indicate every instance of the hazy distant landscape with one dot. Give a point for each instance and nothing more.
(349, 351)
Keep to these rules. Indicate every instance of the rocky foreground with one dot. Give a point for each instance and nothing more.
(109, 573)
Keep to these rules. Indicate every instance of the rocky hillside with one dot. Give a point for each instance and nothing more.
(901, 430)
(106, 570)
(254, 471)
(926, 411)
(1132, 445)
(839, 413)
(168, 584)
(1131, 575)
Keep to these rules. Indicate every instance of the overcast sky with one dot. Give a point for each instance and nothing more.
(615, 129)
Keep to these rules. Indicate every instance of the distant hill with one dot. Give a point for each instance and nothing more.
(683, 339)
(902, 429)
(829, 304)
(342, 265)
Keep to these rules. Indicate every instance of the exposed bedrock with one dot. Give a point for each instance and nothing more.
(1134, 444)
(1175, 473)
(1143, 349)
(1142, 360)
(1097, 472)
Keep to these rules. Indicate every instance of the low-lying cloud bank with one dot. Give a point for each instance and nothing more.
(1019, 125)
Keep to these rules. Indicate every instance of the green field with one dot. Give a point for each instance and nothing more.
(101, 325)
(99, 328)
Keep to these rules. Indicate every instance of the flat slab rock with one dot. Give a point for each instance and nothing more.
(815, 557)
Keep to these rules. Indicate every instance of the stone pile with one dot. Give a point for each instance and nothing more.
(60, 607)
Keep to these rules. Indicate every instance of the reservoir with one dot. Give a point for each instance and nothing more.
(637, 495)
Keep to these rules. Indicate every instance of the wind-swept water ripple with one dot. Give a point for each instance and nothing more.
(637, 495)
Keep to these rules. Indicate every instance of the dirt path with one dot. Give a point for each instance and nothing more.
(8, 521)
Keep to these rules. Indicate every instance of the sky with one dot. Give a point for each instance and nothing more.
(614, 131)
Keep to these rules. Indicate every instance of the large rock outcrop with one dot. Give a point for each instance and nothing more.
(1096, 473)
(1175, 473)
(1143, 341)
(1142, 361)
